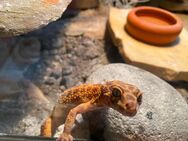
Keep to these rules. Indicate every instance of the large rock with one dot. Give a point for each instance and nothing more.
(168, 62)
(162, 115)
(20, 16)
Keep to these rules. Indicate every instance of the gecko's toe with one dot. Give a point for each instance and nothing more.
(65, 137)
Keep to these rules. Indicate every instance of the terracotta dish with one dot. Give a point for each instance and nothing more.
(153, 25)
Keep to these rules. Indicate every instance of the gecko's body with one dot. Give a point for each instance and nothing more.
(120, 96)
(81, 94)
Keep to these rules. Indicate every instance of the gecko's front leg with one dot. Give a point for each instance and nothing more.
(82, 108)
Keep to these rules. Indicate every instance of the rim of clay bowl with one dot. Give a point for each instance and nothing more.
(175, 23)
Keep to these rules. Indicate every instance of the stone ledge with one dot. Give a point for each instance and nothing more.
(169, 62)
(19, 17)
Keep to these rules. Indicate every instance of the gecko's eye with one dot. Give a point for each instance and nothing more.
(139, 99)
(116, 92)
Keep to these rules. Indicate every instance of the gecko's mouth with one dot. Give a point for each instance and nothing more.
(126, 112)
(131, 114)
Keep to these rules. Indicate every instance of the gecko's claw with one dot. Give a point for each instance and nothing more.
(65, 137)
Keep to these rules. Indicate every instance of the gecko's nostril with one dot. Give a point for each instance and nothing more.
(130, 106)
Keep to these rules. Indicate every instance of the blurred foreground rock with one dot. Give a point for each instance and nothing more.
(168, 62)
(9, 87)
(25, 53)
(23, 114)
(161, 116)
(19, 16)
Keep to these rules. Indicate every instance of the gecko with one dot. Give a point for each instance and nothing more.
(122, 97)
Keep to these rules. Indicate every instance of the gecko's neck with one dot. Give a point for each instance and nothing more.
(82, 93)
(105, 97)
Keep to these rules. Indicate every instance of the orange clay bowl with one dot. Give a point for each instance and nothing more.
(153, 25)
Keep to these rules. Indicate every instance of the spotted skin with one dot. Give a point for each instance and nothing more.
(118, 95)
(81, 94)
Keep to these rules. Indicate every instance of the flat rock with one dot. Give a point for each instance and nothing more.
(19, 16)
(162, 115)
(168, 62)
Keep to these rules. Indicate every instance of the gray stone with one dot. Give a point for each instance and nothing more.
(67, 71)
(50, 81)
(162, 115)
(20, 16)
(57, 73)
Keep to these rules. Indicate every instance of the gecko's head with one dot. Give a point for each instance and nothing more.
(124, 98)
